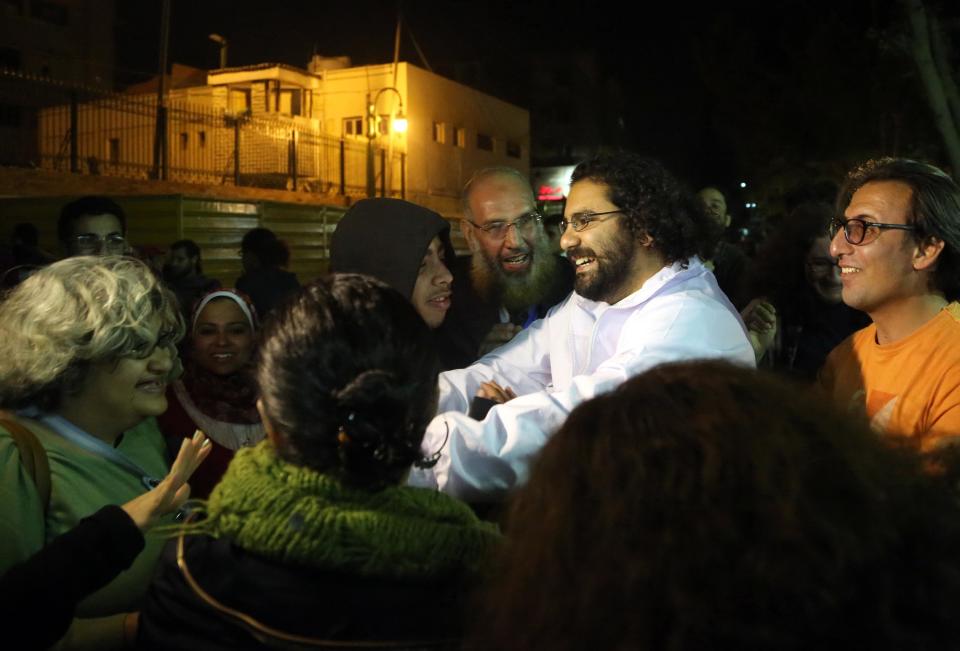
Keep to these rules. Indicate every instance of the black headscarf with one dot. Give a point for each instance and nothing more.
(387, 239)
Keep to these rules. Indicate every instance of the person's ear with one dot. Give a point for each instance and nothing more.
(469, 233)
(275, 437)
(645, 240)
(927, 252)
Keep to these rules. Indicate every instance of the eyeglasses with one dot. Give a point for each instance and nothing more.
(166, 340)
(859, 231)
(525, 224)
(582, 221)
(90, 243)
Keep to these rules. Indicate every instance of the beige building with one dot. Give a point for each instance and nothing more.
(275, 125)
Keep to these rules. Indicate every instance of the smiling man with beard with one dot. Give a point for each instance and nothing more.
(512, 276)
(642, 297)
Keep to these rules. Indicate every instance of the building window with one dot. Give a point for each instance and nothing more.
(202, 137)
(353, 127)
(439, 132)
(184, 140)
(484, 142)
(290, 101)
(513, 149)
(460, 136)
(113, 151)
(239, 100)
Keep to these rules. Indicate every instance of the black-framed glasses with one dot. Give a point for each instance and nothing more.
(497, 230)
(88, 243)
(582, 221)
(859, 231)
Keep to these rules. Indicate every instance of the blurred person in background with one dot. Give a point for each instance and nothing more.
(92, 226)
(728, 261)
(799, 316)
(265, 280)
(183, 273)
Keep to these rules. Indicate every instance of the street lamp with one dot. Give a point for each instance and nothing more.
(222, 42)
(397, 125)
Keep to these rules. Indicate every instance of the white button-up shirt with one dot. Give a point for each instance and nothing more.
(581, 349)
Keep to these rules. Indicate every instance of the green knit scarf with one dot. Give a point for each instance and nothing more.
(299, 516)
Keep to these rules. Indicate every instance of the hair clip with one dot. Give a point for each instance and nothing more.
(426, 463)
(342, 437)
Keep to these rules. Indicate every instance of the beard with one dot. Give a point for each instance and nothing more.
(516, 291)
(613, 268)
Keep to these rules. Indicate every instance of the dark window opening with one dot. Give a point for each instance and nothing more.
(484, 142)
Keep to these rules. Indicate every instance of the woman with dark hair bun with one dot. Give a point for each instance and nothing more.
(707, 506)
(310, 538)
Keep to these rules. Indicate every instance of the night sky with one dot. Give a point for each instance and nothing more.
(759, 91)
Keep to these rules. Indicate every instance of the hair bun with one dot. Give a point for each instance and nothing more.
(368, 388)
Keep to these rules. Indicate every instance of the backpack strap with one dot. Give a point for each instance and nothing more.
(32, 456)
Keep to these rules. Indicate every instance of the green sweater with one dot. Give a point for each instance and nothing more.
(81, 483)
(301, 517)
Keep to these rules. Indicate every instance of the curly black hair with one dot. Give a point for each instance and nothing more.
(654, 202)
(348, 376)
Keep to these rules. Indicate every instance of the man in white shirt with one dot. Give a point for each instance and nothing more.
(642, 297)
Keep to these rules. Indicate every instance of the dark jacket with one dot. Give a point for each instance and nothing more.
(387, 239)
(294, 600)
(189, 289)
(38, 597)
(267, 288)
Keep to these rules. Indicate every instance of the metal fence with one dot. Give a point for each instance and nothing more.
(52, 125)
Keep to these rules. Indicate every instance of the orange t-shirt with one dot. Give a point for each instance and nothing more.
(910, 387)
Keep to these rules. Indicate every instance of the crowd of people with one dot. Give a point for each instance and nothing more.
(521, 447)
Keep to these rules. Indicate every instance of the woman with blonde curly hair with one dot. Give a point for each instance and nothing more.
(88, 348)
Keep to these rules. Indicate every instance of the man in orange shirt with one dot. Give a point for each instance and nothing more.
(898, 246)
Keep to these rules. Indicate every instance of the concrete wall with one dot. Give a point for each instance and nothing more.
(436, 172)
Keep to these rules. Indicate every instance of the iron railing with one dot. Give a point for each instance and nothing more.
(53, 125)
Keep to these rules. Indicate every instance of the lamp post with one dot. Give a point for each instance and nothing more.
(222, 42)
(397, 125)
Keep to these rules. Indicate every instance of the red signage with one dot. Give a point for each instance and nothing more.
(550, 193)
